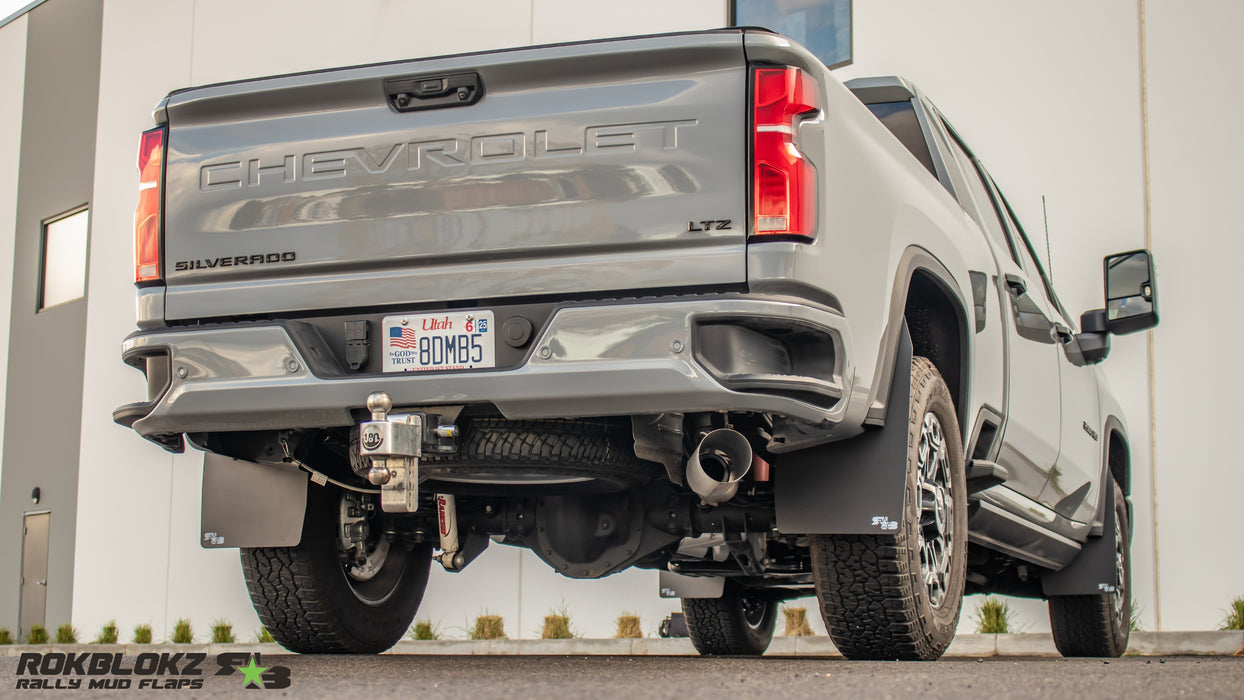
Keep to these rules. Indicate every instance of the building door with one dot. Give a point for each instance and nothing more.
(34, 570)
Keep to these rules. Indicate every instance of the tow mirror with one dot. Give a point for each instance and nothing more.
(1131, 292)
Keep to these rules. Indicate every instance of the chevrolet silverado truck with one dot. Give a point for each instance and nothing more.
(680, 302)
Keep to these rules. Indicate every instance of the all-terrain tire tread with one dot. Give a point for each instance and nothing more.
(866, 585)
(716, 627)
(281, 581)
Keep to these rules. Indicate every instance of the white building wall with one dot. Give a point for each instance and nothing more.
(1196, 149)
(12, 82)
(1047, 93)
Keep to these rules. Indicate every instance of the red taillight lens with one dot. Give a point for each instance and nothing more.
(783, 181)
(148, 216)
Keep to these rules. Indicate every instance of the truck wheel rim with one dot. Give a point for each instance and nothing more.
(753, 610)
(935, 536)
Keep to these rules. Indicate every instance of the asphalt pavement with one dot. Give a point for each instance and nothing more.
(683, 678)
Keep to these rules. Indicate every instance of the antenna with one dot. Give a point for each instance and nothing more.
(1048, 257)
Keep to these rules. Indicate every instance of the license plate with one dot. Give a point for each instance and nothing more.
(453, 340)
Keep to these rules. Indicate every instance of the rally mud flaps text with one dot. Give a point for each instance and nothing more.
(155, 671)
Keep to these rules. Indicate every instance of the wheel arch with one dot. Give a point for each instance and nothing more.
(1117, 456)
(927, 298)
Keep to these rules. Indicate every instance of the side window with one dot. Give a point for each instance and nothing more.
(900, 119)
(985, 204)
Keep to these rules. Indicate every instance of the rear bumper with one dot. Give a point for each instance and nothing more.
(590, 360)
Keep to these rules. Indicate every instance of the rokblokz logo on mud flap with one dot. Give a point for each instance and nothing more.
(154, 671)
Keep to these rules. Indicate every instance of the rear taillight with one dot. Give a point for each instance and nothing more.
(148, 217)
(783, 181)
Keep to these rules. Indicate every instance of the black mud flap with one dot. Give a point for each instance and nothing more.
(1092, 571)
(856, 486)
(251, 505)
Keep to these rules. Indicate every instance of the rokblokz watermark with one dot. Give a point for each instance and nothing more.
(146, 671)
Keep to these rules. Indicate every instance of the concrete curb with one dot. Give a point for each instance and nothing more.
(965, 646)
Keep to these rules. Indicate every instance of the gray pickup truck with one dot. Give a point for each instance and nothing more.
(681, 302)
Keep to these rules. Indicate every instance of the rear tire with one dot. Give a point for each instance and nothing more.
(310, 603)
(739, 623)
(1099, 625)
(898, 596)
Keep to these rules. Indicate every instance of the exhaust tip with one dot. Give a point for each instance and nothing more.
(721, 460)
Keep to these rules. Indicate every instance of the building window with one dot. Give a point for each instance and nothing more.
(823, 26)
(63, 277)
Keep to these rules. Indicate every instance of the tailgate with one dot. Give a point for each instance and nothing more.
(581, 168)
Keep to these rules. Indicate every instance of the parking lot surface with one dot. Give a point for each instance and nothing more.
(420, 676)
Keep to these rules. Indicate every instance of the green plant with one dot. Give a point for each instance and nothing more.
(263, 636)
(797, 622)
(108, 633)
(66, 634)
(38, 635)
(142, 634)
(629, 626)
(425, 630)
(183, 633)
(557, 625)
(1233, 619)
(487, 627)
(222, 632)
(994, 616)
(6, 637)
(1133, 618)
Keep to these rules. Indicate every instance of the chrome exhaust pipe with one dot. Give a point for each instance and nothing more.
(719, 463)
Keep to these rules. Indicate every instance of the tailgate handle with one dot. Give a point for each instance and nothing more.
(420, 92)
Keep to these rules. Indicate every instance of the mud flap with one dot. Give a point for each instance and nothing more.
(856, 486)
(251, 505)
(1092, 571)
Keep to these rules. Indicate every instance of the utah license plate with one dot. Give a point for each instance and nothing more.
(451, 340)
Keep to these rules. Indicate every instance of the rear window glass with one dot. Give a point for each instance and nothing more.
(900, 119)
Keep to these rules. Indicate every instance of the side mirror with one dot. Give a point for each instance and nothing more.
(1131, 292)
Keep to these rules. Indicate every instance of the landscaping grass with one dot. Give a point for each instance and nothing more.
(38, 635)
(1234, 617)
(66, 634)
(425, 630)
(142, 634)
(108, 634)
(183, 633)
(994, 616)
(487, 626)
(557, 625)
(222, 632)
(629, 626)
(797, 622)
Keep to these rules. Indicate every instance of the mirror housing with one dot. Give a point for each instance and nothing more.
(1092, 344)
(1131, 292)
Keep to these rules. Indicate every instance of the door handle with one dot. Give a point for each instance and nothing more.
(43, 582)
(1016, 284)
